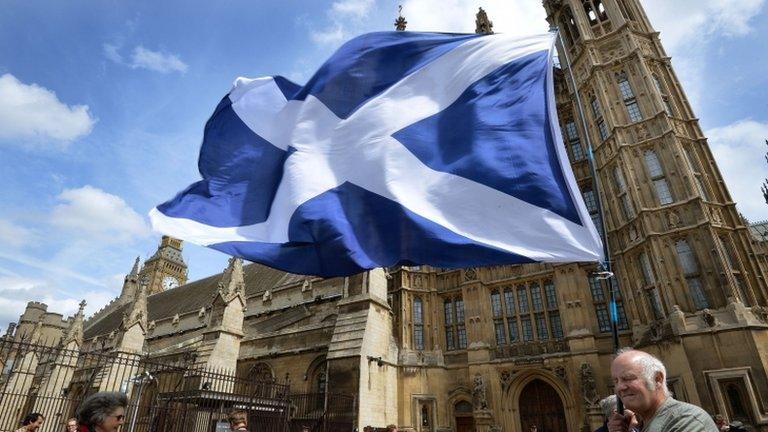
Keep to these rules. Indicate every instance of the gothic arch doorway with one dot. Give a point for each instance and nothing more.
(462, 411)
(540, 405)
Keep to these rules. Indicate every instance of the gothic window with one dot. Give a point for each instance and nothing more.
(498, 318)
(625, 10)
(591, 203)
(570, 23)
(734, 267)
(599, 121)
(529, 311)
(574, 143)
(590, 13)
(697, 174)
(600, 297)
(455, 331)
(649, 282)
(657, 177)
(664, 96)
(690, 269)
(633, 110)
(627, 209)
(418, 324)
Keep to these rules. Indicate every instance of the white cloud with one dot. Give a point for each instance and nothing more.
(738, 149)
(354, 8)
(685, 21)
(143, 58)
(156, 61)
(14, 298)
(15, 235)
(459, 15)
(345, 18)
(33, 115)
(689, 26)
(111, 53)
(91, 211)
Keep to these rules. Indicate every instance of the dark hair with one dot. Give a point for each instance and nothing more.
(98, 406)
(31, 418)
(237, 416)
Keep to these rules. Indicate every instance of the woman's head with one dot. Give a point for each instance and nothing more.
(32, 421)
(103, 411)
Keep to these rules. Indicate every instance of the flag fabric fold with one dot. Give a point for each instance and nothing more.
(403, 148)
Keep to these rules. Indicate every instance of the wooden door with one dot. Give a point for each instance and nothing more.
(540, 405)
(465, 424)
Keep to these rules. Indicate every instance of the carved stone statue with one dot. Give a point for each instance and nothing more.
(482, 24)
(478, 394)
(588, 385)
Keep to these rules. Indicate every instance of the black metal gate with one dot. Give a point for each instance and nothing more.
(165, 394)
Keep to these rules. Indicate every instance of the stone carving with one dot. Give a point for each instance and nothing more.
(560, 372)
(482, 24)
(761, 313)
(506, 379)
(470, 274)
(717, 216)
(267, 296)
(632, 233)
(306, 285)
(674, 219)
(588, 385)
(400, 22)
(709, 319)
(479, 399)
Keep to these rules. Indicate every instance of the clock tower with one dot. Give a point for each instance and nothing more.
(165, 269)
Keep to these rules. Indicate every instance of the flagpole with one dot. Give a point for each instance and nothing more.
(605, 272)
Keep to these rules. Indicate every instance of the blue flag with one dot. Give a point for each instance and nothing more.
(403, 148)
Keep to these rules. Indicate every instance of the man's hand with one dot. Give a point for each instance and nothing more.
(623, 423)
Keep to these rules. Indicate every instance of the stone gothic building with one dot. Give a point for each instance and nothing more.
(503, 348)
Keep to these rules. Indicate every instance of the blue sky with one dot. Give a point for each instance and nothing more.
(102, 106)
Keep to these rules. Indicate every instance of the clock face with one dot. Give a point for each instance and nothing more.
(170, 282)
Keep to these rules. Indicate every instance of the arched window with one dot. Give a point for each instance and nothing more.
(260, 372)
(625, 88)
(455, 331)
(690, 268)
(418, 323)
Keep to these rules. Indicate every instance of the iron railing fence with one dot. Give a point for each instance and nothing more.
(166, 394)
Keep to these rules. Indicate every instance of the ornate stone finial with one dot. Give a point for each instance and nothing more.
(482, 24)
(232, 280)
(400, 22)
(82, 305)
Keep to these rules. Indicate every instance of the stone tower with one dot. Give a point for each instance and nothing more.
(165, 269)
(662, 192)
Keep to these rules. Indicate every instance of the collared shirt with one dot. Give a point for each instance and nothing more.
(676, 416)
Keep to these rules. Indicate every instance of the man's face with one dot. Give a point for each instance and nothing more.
(630, 385)
(71, 426)
(36, 424)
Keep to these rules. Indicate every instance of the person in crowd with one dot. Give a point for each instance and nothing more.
(305, 428)
(607, 407)
(72, 425)
(640, 381)
(368, 428)
(392, 428)
(102, 412)
(721, 423)
(31, 422)
(238, 420)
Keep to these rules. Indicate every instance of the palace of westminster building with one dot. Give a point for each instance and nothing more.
(501, 348)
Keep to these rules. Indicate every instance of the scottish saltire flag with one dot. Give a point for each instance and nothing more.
(403, 148)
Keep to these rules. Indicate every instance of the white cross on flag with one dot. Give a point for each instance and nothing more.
(403, 148)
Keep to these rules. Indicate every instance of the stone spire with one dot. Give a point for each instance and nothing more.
(482, 24)
(75, 330)
(137, 312)
(232, 280)
(131, 282)
(400, 22)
